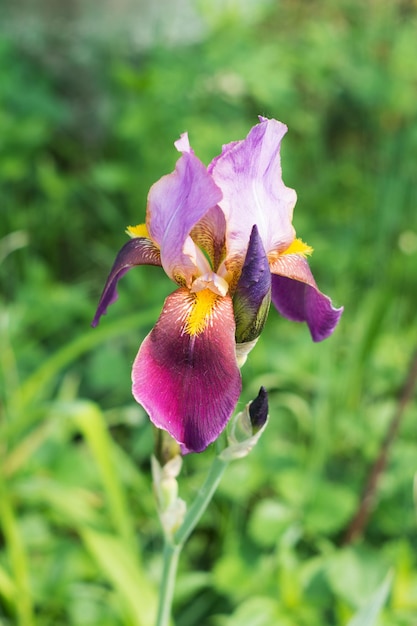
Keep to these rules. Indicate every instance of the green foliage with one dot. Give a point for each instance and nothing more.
(86, 127)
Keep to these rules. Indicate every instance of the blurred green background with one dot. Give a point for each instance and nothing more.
(92, 97)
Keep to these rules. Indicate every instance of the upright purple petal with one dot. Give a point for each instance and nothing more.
(137, 251)
(296, 296)
(175, 204)
(249, 175)
(189, 384)
(252, 297)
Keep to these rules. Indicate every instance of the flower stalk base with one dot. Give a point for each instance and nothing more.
(173, 544)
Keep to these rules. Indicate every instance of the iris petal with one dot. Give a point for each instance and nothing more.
(137, 251)
(189, 384)
(175, 204)
(249, 175)
(296, 296)
(209, 235)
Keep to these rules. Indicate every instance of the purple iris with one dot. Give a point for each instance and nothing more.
(224, 235)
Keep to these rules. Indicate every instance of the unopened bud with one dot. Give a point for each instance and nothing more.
(252, 297)
(166, 448)
(258, 410)
(171, 508)
(246, 428)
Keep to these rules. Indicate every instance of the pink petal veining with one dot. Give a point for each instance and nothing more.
(189, 385)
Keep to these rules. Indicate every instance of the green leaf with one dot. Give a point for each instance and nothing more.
(39, 380)
(256, 611)
(123, 571)
(90, 421)
(8, 588)
(268, 521)
(368, 614)
(353, 572)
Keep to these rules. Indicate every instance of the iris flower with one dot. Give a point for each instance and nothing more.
(224, 235)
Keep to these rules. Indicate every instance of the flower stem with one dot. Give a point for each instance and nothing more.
(166, 594)
(173, 547)
(202, 500)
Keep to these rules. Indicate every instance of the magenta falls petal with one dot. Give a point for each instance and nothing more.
(189, 384)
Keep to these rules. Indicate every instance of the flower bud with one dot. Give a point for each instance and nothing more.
(171, 508)
(246, 427)
(166, 448)
(258, 410)
(252, 297)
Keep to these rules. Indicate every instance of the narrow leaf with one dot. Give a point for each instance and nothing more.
(368, 614)
(123, 571)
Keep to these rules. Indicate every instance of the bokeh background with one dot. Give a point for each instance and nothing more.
(92, 97)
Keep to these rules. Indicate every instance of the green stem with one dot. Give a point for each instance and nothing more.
(171, 557)
(173, 547)
(201, 502)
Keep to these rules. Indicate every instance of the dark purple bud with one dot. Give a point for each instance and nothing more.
(253, 292)
(258, 410)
